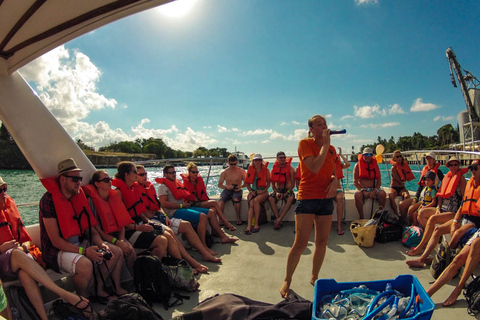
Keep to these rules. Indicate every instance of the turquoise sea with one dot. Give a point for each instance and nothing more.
(25, 187)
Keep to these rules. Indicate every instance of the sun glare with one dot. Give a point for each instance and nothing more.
(178, 8)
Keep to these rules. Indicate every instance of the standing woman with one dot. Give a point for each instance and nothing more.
(314, 206)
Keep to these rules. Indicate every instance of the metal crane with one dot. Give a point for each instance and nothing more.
(466, 82)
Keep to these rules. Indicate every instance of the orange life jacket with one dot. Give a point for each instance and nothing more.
(198, 191)
(262, 175)
(112, 213)
(11, 224)
(404, 170)
(149, 196)
(132, 197)
(73, 215)
(176, 187)
(450, 183)
(298, 173)
(368, 170)
(424, 172)
(279, 174)
(471, 205)
(339, 169)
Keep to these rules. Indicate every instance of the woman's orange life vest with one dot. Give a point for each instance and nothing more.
(112, 213)
(262, 175)
(149, 196)
(339, 168)
(404, 170)
(368, 170)
(471, 205)
(176, 187)
(132, 197)
(450, 183)
(279, 174)
(198, 191)
(73, 215)
(424, 173)
(11, 224)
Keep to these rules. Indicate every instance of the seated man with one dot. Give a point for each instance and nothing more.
(467, 217)
(173, 197)
(231, 181)
(367, 180)
(16, 262)
(70, 243)
(282, 177)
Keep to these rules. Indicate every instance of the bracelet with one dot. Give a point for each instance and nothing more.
(114, 240)
(181, 205)
(80, 250)
(454, 221)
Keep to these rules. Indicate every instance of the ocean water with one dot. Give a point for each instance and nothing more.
(25, 187)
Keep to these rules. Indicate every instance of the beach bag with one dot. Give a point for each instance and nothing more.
(472, 295)
(130, 306)
(388, 232)
(442, 259)
(21, 307)
(152, 282)
(180, 274)
(412, 236)
(363, 235)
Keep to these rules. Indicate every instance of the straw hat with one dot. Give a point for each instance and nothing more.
(2, 182)
(367, 150)
(257, 157)
(452, 159)
(431, 155)
(67, 165)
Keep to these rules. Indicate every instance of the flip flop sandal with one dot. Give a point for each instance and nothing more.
(248, 231)
(239, 222)
(255, 230)
(230, 227)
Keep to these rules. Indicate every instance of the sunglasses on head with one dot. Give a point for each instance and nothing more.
(74, 179)
(367, 154)
(106, 180)
(143, 174)
(3, 189)
(193, 171)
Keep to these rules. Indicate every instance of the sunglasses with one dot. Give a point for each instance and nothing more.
(398, 157)
(471, 169)
(453, 165)
(3, 189)
(233, 163)
(74, 179)
(368, 154)
(106, 180)
(143, 174)
(193, 171)
(282, 158)
(172, 172)
(257, 159)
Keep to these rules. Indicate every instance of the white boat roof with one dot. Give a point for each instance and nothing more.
(30, 28)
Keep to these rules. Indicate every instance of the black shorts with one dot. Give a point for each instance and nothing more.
(318, 207)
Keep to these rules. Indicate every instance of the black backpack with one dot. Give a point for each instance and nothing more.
(152, 282)
(129, 306)
(20, 306)
(442, 259)
(472, 295)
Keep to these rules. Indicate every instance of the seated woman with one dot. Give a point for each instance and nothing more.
(428, 199)
(173, 198)
(400, 173)
(257, 182)
(198, 194)
(17, 263)
(468, 256)
(107, 206)
(126, 182)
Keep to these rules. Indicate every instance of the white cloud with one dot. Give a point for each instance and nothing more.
(221, 129)
(367, 112)
(381, 125)
(328, 116)
(256, 132)
(345, 117)
(365, 2)
(443, 118)
(296, 123)
(396, 109)
(283, 123)
(419, 106)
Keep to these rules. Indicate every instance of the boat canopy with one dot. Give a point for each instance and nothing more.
(30, 28)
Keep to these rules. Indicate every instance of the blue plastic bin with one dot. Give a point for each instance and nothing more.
(402, 283)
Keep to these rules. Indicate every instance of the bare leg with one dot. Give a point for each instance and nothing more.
(322, 230)
(303, 227)
(391, 196)
(173, 249)
(184, 254)
(238, 209)
(403, 207)
(159, 246)
(273, 206)
(33, 293)
(192, 237)
(382, 198)
(212, 217)
(257, 203)
(115, 265)
(359, 203)
(339, 199)
(437, 233)
(427, 233)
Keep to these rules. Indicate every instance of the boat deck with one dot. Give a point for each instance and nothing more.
(255, 267)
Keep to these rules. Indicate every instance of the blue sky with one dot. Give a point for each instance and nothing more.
(248, 74)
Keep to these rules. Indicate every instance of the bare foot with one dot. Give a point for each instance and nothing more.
(230, 227)
(120, 291)
(285, 289)
(452, 298)
(200, 268)
(228, 239)
(313, 280)
(417, 263)
(78, 301)
(211, 258)
(212, 252)
(414, 252)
